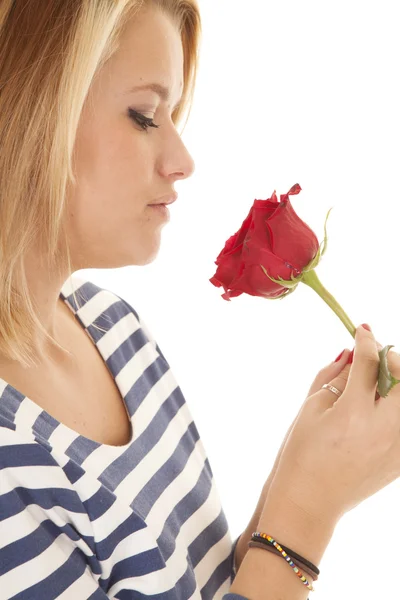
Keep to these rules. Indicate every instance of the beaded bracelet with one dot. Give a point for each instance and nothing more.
(263, 538)
(295, 557)
(256, 535)
(272, 549)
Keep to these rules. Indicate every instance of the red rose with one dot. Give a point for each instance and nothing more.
(273, 236)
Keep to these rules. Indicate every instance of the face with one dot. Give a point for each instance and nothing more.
(120, 166)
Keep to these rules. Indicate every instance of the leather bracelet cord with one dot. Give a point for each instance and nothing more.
(272, 549)
(260, 538)
(291, 553)
(266, 541)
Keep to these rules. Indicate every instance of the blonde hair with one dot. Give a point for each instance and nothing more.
(49, 54)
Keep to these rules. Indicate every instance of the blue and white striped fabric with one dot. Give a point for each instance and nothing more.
(82, 520)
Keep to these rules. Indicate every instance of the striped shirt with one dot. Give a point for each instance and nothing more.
(83, 520)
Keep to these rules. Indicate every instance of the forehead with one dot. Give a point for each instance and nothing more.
(150, 49)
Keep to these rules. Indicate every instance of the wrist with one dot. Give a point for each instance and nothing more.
(242, 545)
(289, 524)
(304, 497)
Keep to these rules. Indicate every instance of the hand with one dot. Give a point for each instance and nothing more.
(343, 450)
(325, 375)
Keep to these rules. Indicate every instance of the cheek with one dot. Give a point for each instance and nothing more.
(111, 232)
(111, 156)
(112, 182)
(115, 181)
(101, 211)
(102, 215)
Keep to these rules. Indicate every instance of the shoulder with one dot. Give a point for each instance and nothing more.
(95, 304)
(83, 295)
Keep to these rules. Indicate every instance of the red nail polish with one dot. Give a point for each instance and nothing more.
(339, 357)
(367, 327)
(350, 359)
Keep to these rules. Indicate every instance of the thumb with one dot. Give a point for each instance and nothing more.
(363, 376)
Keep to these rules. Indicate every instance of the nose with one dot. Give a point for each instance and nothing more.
(176, 162)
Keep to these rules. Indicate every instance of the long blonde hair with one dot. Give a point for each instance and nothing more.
(49, 54)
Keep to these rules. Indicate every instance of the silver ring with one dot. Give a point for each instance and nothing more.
(332, 389)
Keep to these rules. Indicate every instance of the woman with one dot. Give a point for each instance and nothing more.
(105, 488)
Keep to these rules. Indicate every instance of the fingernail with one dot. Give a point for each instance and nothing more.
(340, 356)
(350, 359)
(367, 327)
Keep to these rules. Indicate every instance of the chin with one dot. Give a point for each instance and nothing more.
(129, 255)
(145, 262)
(145, 258)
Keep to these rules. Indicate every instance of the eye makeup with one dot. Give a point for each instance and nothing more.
(141, 120)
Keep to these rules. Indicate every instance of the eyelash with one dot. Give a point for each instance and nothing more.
(141, 120)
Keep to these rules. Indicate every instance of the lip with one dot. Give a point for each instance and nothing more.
(166, 199)
(162, 210)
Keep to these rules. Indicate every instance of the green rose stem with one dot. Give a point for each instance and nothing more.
(386, 381)
(311, 279)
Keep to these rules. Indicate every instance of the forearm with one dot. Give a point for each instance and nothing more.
(263, 574)
(242, 545)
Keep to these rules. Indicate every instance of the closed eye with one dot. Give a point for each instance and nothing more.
(141, 120)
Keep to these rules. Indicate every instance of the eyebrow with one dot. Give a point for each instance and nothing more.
(160, 90)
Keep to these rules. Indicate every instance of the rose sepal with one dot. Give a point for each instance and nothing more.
(321, 250)
(286, 292)
(293, 283)
(386, 381)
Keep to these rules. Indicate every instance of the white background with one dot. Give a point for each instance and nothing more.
(288, 92)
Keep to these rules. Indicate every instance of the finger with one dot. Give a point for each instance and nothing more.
(329, 372)
(326, 398)
(363, 376)
(340, 380)
(393, 360)
(326, 375)
(337, 377)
